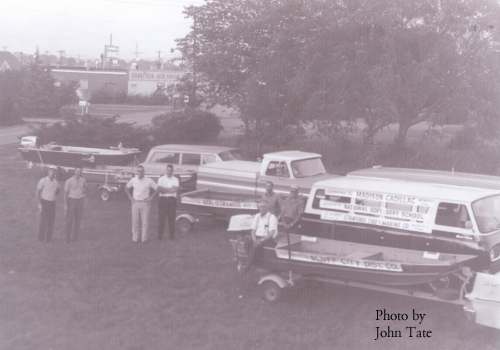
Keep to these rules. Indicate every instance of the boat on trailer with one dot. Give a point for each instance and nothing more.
(72, 156)
(374, 264)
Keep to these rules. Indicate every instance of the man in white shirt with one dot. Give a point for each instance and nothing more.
(265, 225)
(75, 191)
(46, 194)
(140, 190)
(168, 187)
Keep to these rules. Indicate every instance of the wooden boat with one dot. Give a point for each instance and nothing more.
(327, 258)
(70, 156)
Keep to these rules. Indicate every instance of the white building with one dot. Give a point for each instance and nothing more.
(145, 83)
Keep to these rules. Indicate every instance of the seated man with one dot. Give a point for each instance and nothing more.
(264, 226)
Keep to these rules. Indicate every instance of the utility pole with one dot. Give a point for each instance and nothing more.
(137, 52)
(61, 55)
(159, 59)
(109, 52)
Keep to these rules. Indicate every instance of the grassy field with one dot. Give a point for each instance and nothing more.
(104, 292)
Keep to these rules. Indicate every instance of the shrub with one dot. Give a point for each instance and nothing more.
(189, 125)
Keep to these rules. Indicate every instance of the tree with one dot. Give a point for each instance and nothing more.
(40, 97)
(282, 62)
(10, 87)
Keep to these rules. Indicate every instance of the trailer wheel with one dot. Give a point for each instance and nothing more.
(184, 225)
(104, 194)
(271, 291)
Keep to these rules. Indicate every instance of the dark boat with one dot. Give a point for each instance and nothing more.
(70, 156)
(327, 258)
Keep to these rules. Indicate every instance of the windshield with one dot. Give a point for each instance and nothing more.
(487, 213)
(308, 167)
(230, 155)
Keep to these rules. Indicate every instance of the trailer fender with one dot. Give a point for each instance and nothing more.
(280, 281)
(186, 216)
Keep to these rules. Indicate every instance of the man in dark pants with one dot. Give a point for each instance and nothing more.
(75, 189)
(168, 186)
(46, 192)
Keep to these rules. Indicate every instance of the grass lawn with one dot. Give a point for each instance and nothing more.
(104, 292)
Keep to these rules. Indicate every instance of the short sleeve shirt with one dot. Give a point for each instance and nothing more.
(48, 188)
(75, 187)
(141, 188)
(168, 182)
(263, 224)
(272, 201)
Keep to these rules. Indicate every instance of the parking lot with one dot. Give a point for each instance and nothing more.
(104, 292)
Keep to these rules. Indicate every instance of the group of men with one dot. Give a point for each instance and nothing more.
(274, 211)
(140, 190)
(75, 191)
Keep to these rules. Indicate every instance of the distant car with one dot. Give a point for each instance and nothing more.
(28, 141)
(186, 158)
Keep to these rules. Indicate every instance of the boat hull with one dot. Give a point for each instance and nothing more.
(302, 260)
(76, 159)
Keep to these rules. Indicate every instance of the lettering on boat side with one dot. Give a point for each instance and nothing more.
(412, 327)
(340, 261)
(219, 203)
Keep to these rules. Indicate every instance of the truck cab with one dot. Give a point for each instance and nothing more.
(284, 169)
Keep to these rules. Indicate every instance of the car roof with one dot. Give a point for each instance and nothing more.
(431, 176)
(291, 155)
(444, 192)
(193, 148)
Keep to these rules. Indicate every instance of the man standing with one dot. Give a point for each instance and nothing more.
(139, 190)
(292, 208)
(75, 190)
(271, 199)
(46, 192)
(168, 186)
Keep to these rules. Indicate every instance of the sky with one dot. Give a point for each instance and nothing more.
(82, 27)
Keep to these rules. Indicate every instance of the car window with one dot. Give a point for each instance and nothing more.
(453, 215)
(165, 157)
(191, 159)
(208, 158)
(276, 168)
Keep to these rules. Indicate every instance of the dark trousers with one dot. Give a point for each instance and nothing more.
(47, 218)
(73, 218)
(167, 207)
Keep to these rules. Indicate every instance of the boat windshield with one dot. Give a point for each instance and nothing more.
(230, 155)
(487, 213)
(308, 167)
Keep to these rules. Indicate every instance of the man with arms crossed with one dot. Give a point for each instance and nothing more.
(168, 186)
(139, 190)
(75, 190)
(46, 192)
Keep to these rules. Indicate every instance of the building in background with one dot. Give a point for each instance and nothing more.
(149, 82)
(93, 83)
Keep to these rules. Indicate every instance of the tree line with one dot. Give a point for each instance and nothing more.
(341, 64)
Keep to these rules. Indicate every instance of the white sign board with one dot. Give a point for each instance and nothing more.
(393, 210)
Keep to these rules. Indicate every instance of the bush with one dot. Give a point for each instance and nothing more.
(95, 132)
(189, 125)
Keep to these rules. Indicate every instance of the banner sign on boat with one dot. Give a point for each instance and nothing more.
(399, 211)
(340, 261)
(218, 203)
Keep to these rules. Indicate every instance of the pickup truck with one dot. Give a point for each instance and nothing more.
(284, 169)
